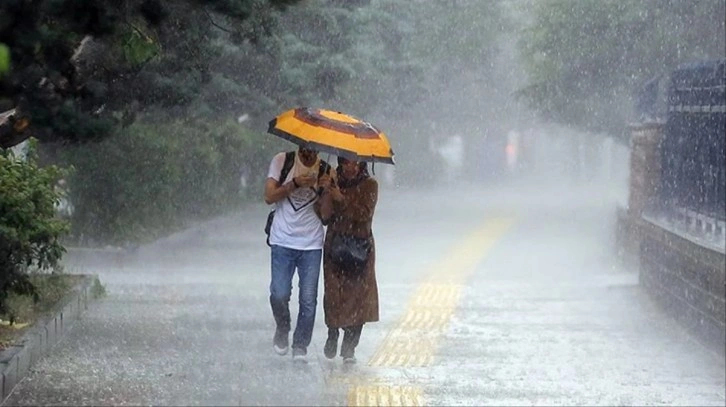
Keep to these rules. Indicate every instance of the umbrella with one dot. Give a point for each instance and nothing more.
(333, 132)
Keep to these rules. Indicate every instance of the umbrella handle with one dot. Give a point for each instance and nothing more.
(320, 189)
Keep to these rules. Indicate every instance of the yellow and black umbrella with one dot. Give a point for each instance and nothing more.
(333, 132)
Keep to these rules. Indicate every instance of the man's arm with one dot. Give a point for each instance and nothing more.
(275, 192)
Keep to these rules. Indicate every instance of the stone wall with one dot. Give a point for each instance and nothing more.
(687, 280)
(643, 188)
(644, 167)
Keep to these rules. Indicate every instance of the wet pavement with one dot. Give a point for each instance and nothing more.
(489, 296)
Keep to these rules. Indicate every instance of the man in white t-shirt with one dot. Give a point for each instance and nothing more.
(296, 242)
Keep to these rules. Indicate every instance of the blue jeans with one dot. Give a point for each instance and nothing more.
(284, 263)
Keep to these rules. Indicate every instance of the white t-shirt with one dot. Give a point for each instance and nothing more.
(296, 226)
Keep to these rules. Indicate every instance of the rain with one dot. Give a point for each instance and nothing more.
(549, 226)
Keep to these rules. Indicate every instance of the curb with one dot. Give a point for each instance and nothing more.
(16, 360)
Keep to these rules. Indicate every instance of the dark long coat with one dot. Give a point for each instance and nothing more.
(347, 300)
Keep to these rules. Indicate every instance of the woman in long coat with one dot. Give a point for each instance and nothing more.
(351, 296)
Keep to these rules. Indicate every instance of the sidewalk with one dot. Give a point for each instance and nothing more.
(185, 321)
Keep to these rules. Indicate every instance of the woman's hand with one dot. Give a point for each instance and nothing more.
(335, 193)
(324, 182)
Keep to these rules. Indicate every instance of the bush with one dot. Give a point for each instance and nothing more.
(29, 228)
(50, 290)
(98, 290)
(152, 178)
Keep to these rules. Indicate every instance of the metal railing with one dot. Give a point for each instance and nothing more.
(700, 228)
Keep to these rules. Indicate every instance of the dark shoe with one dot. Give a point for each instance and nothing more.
(347, 352)
(351, 337)
(331, 347)
(299, 355)
(281, 343)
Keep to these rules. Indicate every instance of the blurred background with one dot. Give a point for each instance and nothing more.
(161, 107)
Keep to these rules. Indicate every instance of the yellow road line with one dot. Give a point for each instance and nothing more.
(397, 350)
(432, 305)
(414, 340)
(385, 396)
(436, 295)
(462, 259)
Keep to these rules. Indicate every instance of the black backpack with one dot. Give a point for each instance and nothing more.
(286, 167)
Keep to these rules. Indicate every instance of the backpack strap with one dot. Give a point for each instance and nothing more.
(287, 166)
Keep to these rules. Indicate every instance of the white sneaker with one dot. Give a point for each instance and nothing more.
(349, 360)
(280, 343)
(299, 355)
(282, 351)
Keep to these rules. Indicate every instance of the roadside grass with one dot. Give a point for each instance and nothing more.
(23, 311)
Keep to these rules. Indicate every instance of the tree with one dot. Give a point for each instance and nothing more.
(146, 116)
(81, 67)
(585, 58)
(30, 232)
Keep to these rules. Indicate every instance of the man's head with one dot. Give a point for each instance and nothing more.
(308, 156)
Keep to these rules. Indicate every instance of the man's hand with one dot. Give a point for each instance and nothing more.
(305, 181)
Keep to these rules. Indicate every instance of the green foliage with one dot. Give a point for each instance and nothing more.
(384, 56)
(138, 47)
(454, 44)
(81, 68)
(19, 307)
(30, 231)
(585, 58)
(151, 97)
(322, 53)
(456, 35)
(419, 68)
(98, 290)
(150, 178)
(50, 290)
(4, 59)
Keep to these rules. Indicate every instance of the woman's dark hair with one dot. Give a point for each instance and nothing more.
(347, 183)
(362, 165)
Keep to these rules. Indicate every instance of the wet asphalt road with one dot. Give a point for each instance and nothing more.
(489, 296)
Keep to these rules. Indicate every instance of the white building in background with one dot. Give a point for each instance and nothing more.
(452, 152)
(511, 150)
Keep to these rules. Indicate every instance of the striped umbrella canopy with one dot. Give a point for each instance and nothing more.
(333, 132)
